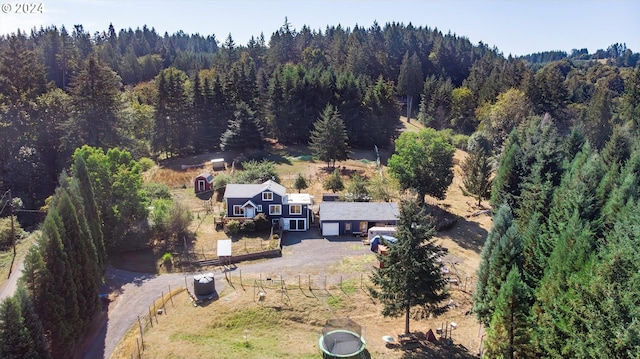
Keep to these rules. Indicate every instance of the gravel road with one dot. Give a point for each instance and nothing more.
(11, 285)
(303, 252)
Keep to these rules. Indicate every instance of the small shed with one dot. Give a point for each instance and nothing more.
(218, 164)
(204, 284)
(203, 182)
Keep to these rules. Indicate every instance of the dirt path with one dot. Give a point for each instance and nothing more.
(303, 252)
(11, 285)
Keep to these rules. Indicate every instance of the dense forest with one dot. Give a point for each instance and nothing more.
(559, 270)
(172, 95)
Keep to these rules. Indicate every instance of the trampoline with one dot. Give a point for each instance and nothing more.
(341, 339)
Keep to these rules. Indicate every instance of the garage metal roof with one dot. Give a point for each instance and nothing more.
(359, 211)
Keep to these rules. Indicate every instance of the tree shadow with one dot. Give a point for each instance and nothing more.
(467, 234)
(437, 351)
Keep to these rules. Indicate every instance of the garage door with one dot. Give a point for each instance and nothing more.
(330, 229)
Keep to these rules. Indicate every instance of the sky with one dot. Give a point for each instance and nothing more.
(516, 27)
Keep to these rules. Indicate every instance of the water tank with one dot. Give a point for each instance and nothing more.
(204, 284)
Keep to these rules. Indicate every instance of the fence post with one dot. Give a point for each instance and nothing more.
(171, 297)
(155, 312)
(138, 344)
(141, 337)
(164, 310)
(150, 317)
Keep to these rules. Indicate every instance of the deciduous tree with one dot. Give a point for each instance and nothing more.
(423, 161)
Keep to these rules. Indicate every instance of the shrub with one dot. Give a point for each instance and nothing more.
(233, 226)
(262, 222)
(248, 226)
(460, 141)
(146, 163)
(155, 190)
(5, 232)
(167, 258)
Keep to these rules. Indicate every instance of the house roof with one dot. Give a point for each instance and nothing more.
(237, 190)
(206, 176)
(359, 211)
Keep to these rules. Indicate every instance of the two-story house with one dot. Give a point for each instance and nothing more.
(289, 210)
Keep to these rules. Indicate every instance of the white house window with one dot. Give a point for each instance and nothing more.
(238, 210)
(295, 209)
(259, 208)
(347, 227)
(275, 209)
(267, 196)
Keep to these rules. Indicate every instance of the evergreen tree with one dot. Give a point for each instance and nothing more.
(95, 94)
(559, 332)
(173, 130)
(476, 170)
(84, 189)
(56, 293)
(300, 183)
(79, 246)
(33, 324)
(501, 253)
(410, 80)
(509, 333)
(411, 274)
(329, 138)
(630, 104)
(334, 182)
(15, 341)
(243, 131)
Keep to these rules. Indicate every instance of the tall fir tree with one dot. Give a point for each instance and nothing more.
(15, 341)
(243, 131)
(477, 173)
(501, 252)
(410, 274)
(329, 140)
(509, 334)
(95, 94)
(33, 324)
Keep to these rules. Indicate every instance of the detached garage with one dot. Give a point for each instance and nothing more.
(348, 218)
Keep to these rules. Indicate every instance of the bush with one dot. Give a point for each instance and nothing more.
(167, 258)
(155, 190)
(262, 222)
(146, 163)
(233, 227)
(460, 141)
(5, 232)
(248, 226)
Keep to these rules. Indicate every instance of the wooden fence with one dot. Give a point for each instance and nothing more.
(132, 345)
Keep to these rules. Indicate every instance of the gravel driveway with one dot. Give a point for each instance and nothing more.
(303, 252)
